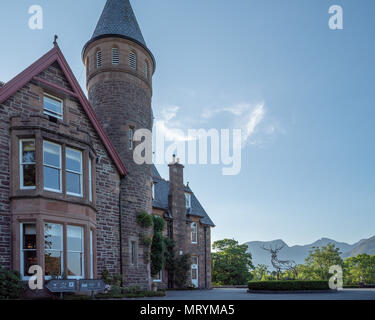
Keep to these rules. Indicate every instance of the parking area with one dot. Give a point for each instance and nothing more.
(242, 294)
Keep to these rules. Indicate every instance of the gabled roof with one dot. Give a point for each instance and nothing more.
(52, 56)
(118, 20)
(161, 198)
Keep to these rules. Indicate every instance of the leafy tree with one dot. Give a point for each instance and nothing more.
(260, 272)
(321, 259)
(231, 263)
(157, 247)
(359, 269)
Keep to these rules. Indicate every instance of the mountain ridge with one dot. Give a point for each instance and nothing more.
(298, 253)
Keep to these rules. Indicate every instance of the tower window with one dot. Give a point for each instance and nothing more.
(98, 59)
(133, 60)
(146, 69)
(115, 56)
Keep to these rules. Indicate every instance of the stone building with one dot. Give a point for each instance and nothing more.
(70, 191)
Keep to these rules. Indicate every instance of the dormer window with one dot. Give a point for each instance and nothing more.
(115, 56)
(53, 106)
(188, 200)
(133, 60)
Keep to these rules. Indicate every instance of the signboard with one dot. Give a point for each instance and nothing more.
(62, 285)
(91, 285)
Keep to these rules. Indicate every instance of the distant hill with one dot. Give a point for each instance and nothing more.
(298, 253)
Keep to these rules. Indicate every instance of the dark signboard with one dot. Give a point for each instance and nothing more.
(62, 285)
(91, 285)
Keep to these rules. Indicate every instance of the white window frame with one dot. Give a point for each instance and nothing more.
(115, 56)
(160, 277)
(195, 266)
(194, 233)
(91, 254)
(22, 187)
(74, 251)
(131, 137)
(188, 200)
(74, 172)
(99, 59)
(61, 251)
(50, 166)
(91, 189)
(22, 250)
(133, 60)
(52, 113)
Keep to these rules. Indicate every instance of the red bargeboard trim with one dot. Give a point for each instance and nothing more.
(41, 64)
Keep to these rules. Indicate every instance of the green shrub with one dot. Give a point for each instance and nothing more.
(145, 240)
(288, 285)
(159, 224)
(11, 286)
(114, 280)
(144, 219)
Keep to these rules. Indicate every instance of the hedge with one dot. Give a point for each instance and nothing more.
(288, 285)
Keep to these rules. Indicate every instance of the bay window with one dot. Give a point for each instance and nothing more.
(75, 252)
(73, 172)
(53, 249)
(27, 164)
(52, 166)
(28, 248)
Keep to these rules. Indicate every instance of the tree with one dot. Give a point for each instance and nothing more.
(260, 272)
(321, 259)
(359, 269)
(231, 263)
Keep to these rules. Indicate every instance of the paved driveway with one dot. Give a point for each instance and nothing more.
(242, 294)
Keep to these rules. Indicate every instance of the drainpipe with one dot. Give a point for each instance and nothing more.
(120, 231)
(205, 257)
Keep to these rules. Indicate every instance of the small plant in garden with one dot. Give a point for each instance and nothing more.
(11, 286)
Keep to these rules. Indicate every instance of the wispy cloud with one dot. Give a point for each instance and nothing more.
(246, 117)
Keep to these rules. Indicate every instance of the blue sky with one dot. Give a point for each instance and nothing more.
(308, 165)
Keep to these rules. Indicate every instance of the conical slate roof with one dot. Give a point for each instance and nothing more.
(118, 20)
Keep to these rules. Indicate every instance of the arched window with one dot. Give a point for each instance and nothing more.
(133, 60)
(115, 56)
(98, 59)
(194, 233)
(146, 69)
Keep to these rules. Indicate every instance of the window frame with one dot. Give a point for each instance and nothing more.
(160, 279)
(53, 167)
(74, 172)
(82, 257)
(52, 113)
(131, 137)
(187, 200)
(21, 164)
(91, 187)
(194, 231)
(62, 252)
(22, 250)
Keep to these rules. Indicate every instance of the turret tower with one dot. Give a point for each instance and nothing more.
(119, 69)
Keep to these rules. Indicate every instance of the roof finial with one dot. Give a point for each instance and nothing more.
(55, 40)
